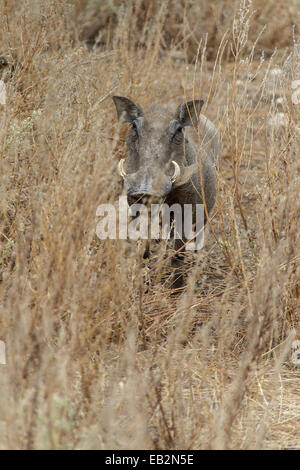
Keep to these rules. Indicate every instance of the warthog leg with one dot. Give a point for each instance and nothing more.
(177, 264)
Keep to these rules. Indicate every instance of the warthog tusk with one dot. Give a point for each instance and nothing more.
(176, 172)
(121, 168)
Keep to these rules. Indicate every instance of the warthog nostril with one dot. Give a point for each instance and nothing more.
(134, 199)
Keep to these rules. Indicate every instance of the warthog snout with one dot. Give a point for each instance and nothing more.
(148, 185)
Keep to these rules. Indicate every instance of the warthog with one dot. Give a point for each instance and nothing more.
(165, 151)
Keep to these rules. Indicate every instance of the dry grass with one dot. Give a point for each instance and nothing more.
(94, 358)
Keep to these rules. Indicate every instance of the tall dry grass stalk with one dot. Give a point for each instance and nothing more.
(99, 354)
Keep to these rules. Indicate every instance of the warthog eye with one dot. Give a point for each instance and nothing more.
(177, 136)
(134, 129)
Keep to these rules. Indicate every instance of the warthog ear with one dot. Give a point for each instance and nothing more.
(188, 113)
(127, 110)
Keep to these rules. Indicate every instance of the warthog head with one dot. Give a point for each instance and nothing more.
(155, 163)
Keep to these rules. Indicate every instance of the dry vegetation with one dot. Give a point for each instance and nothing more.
(99, 354)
